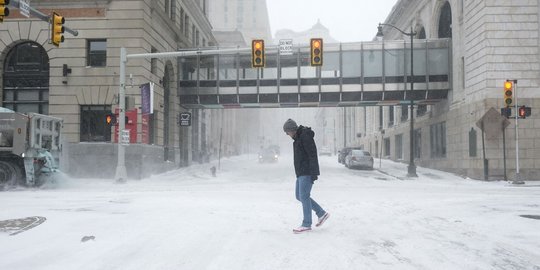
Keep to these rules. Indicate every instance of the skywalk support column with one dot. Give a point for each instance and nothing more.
(121, 172)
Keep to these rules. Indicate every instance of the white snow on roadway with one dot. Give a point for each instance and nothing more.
(243, 219)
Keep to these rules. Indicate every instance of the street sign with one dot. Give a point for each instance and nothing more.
(24, 8)
(492, 123)
(124, 137)
(285, 47)
(185, 119)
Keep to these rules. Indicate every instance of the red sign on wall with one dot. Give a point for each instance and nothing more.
(131, 125)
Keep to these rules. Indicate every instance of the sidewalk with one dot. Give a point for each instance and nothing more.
(398, 170)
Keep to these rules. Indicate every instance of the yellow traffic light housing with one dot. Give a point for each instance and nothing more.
(57, 31)
(508, 92)
(4, 11)
(257, 53)
(316, 45)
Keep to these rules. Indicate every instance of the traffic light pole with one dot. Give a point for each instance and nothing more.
(121, 171)
(41, 16)
(517, 180)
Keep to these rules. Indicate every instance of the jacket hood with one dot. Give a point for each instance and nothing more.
(305, 131)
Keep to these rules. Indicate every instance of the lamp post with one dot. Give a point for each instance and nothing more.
(411, 169)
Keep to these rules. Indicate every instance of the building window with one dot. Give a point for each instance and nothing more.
(182, 20)
(173, 10)
(96, 51)
(417, 143)
(404, 113)
(422, 33)
(193, 37)
(380, 117)
(26, 79)
(399, 146)
(93, 125)
(438, 140)
(204, 6)
(422, 109)
(445, 21)
(186, 26)
(153, 62)
(387, 147)
(463, 72)
(391, 116)
(472, 143)
(168, 7)
(197, 38)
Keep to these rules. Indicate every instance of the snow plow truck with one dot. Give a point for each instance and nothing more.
(29, 148)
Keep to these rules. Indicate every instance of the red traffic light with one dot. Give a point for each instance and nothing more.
(110, 119)
(523, 112)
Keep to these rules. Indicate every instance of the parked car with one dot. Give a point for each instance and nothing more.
(325, 151)
(359, 159)
(268, 155)
(344, 152)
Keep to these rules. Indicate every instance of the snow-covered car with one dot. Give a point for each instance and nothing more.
(344, 152)
(325, 151)
(268, 155)
(359, 159)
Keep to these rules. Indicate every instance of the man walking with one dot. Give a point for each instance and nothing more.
(306, 166)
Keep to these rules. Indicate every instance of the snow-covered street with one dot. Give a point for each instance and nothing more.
(243, 219)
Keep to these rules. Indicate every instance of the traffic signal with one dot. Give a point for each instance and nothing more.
(110, 119)
(257, 53)
(506, 112)
(508, 91)
(57, 29)
(316, 51)
(524, 112)
(4, 11)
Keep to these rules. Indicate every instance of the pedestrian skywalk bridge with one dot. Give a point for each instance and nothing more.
(353, 74)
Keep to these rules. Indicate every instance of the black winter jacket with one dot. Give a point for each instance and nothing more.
(305, 153)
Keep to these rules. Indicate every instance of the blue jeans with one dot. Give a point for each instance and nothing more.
(303, 190)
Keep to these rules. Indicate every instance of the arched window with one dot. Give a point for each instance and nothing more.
(445, 21)
(26, 79)
(421, 33)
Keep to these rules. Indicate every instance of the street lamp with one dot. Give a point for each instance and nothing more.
(411, 169)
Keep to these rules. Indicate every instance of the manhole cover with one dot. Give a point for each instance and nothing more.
(16, 226)
(531, 216)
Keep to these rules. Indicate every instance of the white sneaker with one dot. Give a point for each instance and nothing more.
(322, 219)
(301, 229)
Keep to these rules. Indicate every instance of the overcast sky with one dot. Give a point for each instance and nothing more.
(348, 20)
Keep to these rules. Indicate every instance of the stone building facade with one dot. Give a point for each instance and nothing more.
(491, 41)
(79, 81)
(250, 17)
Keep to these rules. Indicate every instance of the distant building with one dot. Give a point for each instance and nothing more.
(230, 39)
(318, 30)
(250, 17)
